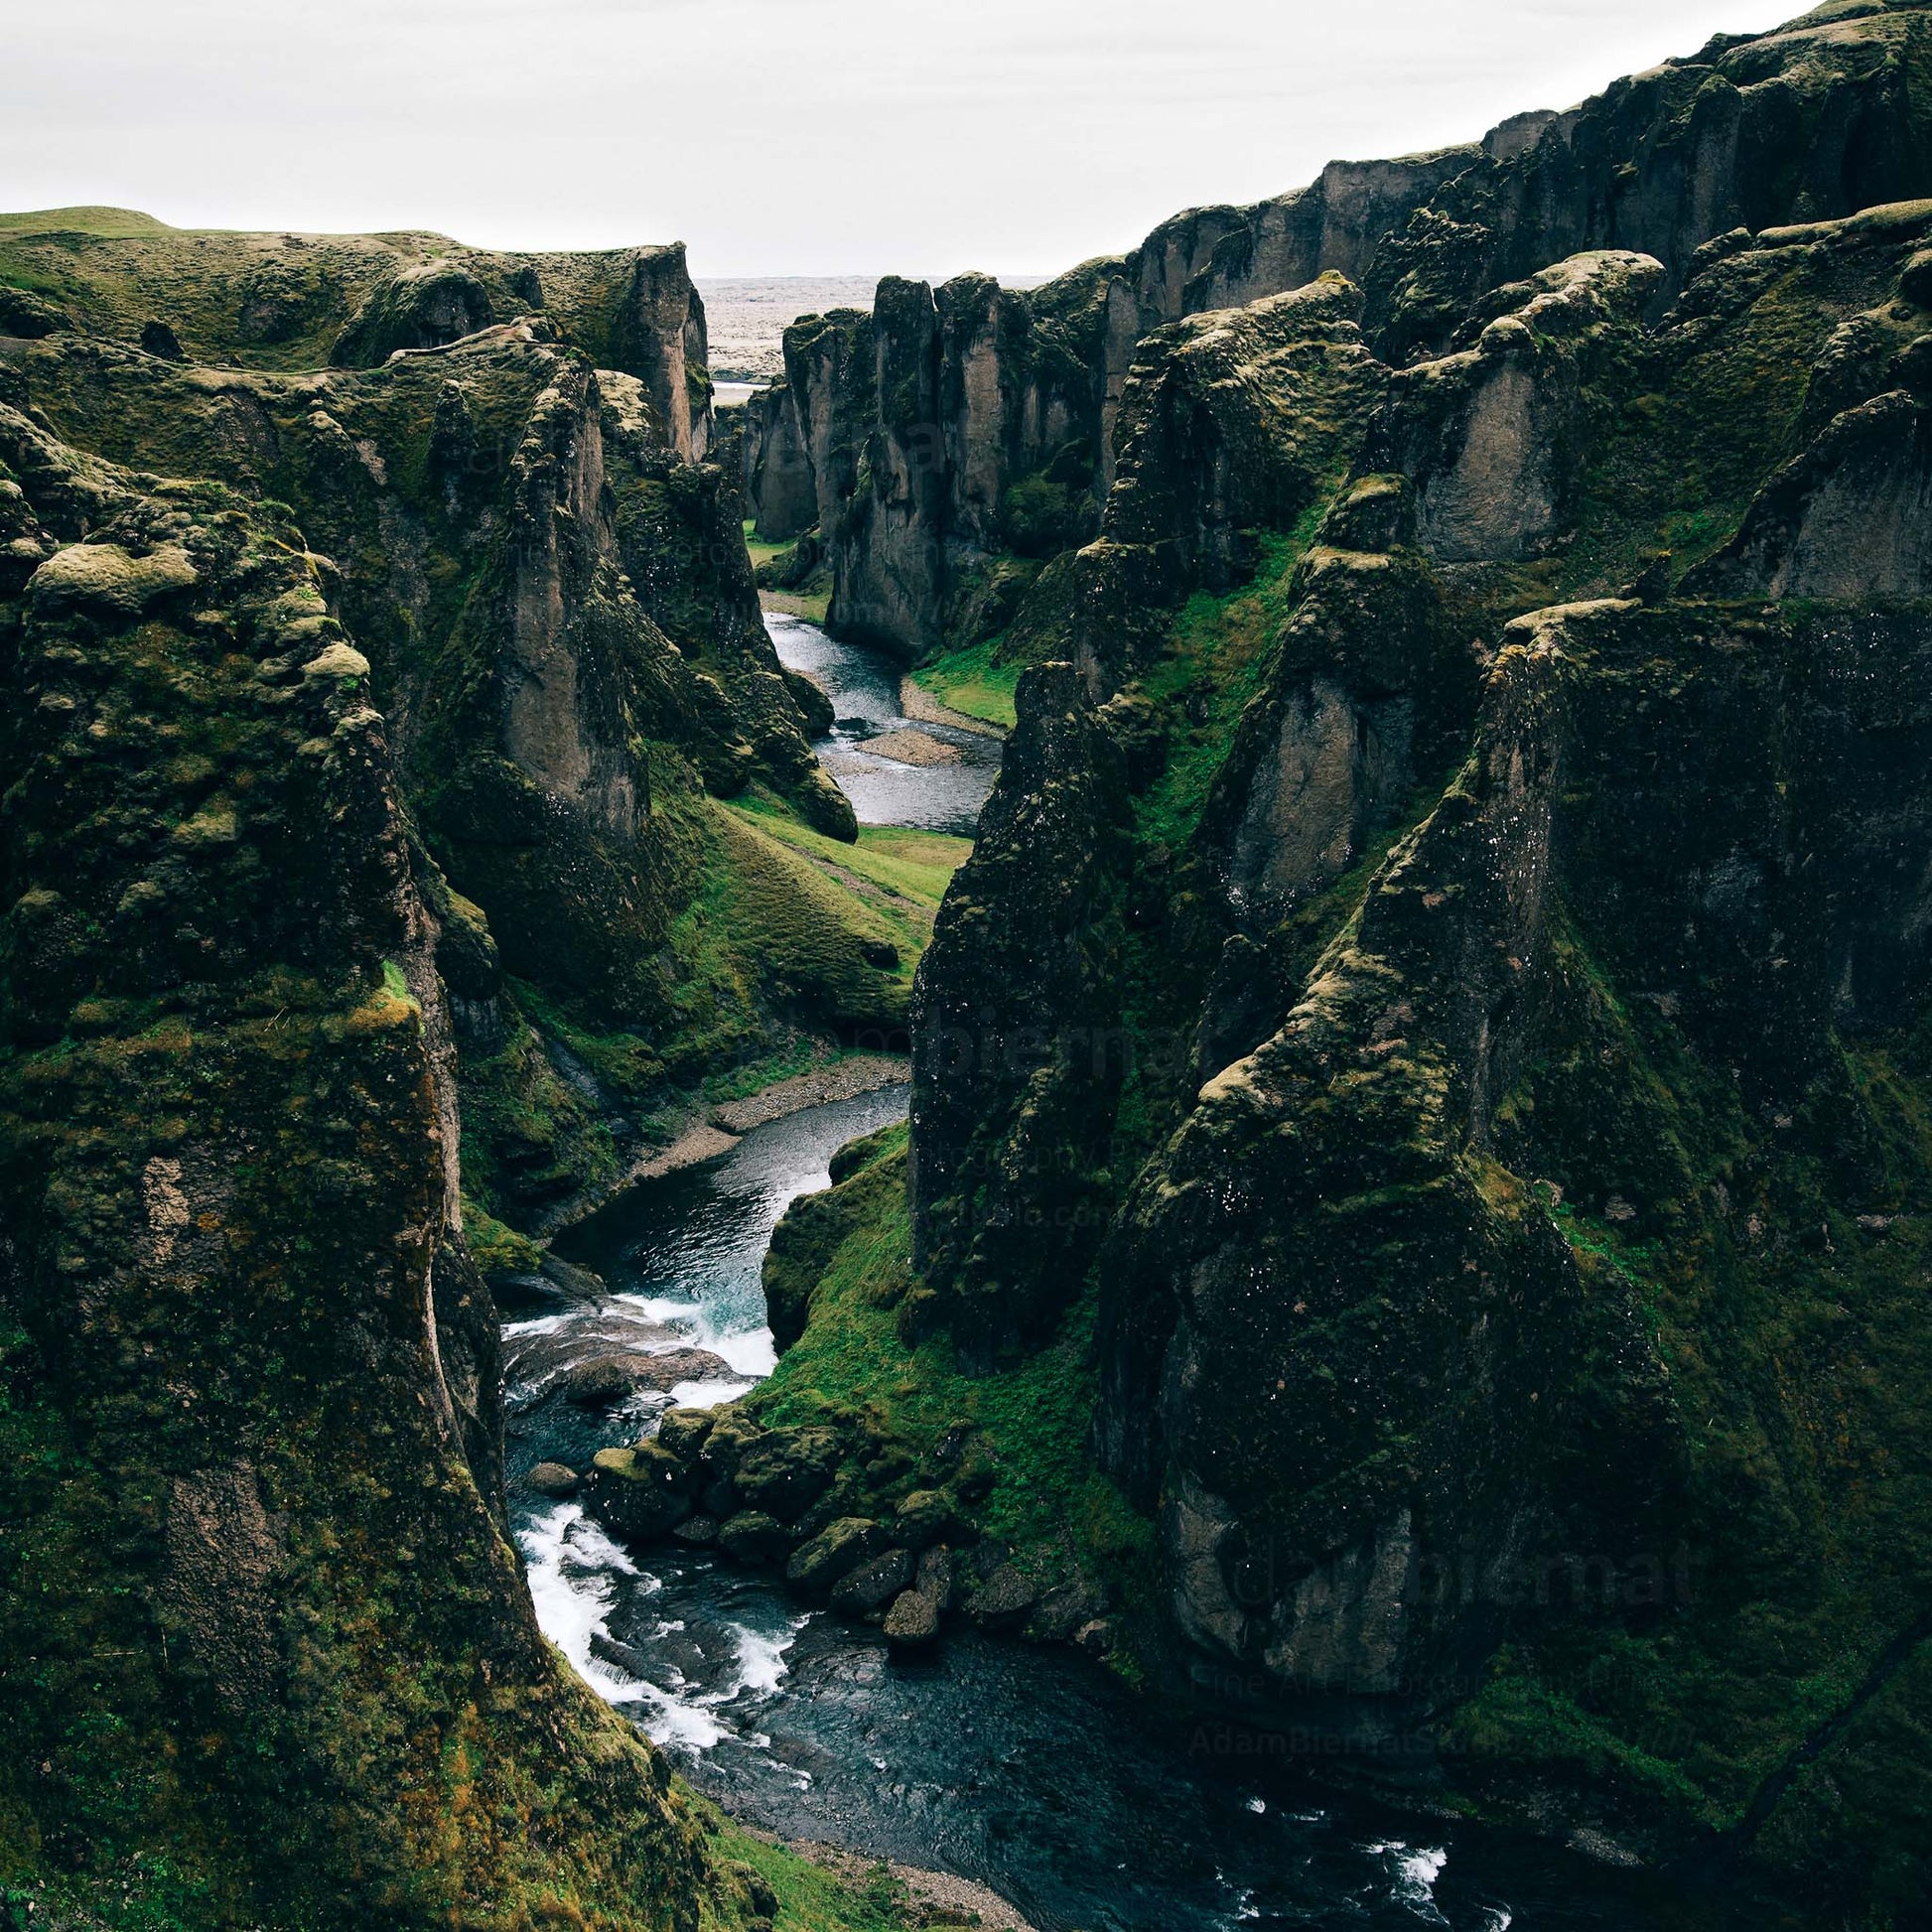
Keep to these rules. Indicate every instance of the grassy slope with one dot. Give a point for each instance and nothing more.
(114, 222)
(1025, 1432)
(973, 681)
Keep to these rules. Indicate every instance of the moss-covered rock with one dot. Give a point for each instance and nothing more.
(266, 1656)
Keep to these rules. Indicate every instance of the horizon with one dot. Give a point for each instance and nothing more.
(384, 121)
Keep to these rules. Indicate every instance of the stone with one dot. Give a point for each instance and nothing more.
(579, 1284)
(1096, 1638)
(753, 1536)
(554, 1479)
(698, 1530)
(863, 1589)
(785, 1470)
(683, 1431)
(912, 1622)
(841, 1546)
(1002, 1602)
(936, 1577)
(111, 578)
(923, 1517)
(637, 1494)
(608, 1379)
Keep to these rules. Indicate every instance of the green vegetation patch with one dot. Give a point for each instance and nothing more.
(1011, 1448)
(973, 680)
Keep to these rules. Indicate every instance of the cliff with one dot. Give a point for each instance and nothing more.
(300, 301)
(562, 629)
(369, 878)
(265, 1653)
(1425, 1060)
(994, 435)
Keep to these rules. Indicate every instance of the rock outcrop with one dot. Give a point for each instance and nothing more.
(1492, 792)
(562, 630)
(267, 1656)
(999, 432)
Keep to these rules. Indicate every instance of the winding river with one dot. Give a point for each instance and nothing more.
(1027, 1770)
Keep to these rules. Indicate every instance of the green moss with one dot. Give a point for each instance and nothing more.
(1021, 1433)
(972, 680)
(1217, 658)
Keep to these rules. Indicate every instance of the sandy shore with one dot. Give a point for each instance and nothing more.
(860, 1073)
(918, 704)
(913, 748)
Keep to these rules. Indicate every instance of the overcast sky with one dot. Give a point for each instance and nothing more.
(776, 136)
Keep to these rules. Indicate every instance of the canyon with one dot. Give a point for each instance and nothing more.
(1405, 1249)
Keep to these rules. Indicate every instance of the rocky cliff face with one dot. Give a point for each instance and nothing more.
(265, 1654)
(563, 632)
(1482, 818)
(1816, 121)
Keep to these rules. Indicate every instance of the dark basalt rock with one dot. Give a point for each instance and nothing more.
(912, 1622)
(947, 426)
(554, 1479)
(608, 1379)
(157, 339)
(1002, 1602)
(873, 1584)
(637, 1494)
(683, 1433)
(841, 1547)
(784, 1471)
(756, 1538)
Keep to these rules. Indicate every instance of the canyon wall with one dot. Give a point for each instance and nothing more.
(1440, 990)
(266, 1655)
(994, 437)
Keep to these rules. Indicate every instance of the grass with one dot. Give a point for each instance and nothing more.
(812, 605)
(761, 552)
(1029, 1424)
(970, 681)
(110, 223)
(910, 865)
(810, 1898)
(1219, 644)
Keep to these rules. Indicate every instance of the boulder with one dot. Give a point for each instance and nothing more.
(732, 1433)
(158, 340)
(554, 1479)
(1002, 1602)
(683, 1431)
(936, 1577)
(913, 1620)
(786, 1471)
(700, 1532)
(606, 1379)
(579, 1284)
(874, 1584)
(1095, 1638)
(638, 1493)
(924, 1517)
(840, 1547)
(753, 1536)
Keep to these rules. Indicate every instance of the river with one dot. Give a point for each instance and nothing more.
(1028, 1770)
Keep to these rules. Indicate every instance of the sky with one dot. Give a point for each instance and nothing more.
(777, 136)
